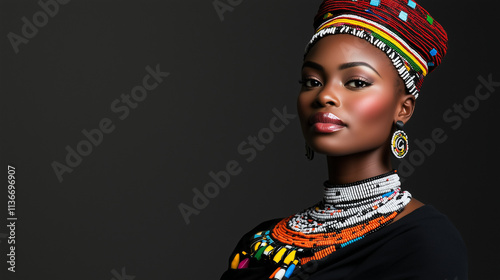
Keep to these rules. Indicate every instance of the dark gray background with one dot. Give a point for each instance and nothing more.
(117, 213)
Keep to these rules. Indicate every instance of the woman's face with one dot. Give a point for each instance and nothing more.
(349, 98)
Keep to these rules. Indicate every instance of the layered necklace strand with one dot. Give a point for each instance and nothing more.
(346, 214)
(350, 204)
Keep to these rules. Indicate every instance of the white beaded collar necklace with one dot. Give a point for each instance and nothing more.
(352, 204)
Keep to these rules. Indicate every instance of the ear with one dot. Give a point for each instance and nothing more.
(405, 108)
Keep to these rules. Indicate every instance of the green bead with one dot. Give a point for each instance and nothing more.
(430, 19)
(258, 255)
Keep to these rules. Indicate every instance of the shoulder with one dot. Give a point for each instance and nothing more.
(423, 245)
(427, 225)
(429, 244)
(245, 239)
(243, 245)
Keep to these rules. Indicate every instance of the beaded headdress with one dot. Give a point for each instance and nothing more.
(402, 29)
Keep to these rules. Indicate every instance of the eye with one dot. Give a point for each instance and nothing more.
(357, 84)
(309, 83)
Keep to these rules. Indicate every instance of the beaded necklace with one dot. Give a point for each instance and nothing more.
(346, 214)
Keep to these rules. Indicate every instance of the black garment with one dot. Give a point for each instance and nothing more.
(422, 245)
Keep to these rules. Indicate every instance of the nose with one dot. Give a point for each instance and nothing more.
(328, 96)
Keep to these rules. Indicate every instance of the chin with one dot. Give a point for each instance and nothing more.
(330, 146)
(337, 147)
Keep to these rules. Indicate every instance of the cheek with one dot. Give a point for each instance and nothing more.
(373, 109)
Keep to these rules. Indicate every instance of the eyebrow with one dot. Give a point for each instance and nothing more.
(341, 67)
(312, 65)
(357, 63)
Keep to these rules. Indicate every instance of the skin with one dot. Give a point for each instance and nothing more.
(352, 79)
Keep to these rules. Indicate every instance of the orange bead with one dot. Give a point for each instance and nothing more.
(274, 273)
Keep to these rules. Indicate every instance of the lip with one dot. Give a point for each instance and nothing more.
(323, 122)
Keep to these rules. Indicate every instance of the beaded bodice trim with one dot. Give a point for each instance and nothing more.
(346, 214)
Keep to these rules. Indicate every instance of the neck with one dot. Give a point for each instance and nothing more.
(356, 167)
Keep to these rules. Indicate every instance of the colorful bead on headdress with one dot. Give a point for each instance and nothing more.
(405, 31)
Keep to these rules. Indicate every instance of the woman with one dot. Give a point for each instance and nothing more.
(358, 90)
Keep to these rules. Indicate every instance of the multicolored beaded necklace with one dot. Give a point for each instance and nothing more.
(346, 214)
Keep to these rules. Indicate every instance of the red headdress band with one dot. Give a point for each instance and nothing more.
(405, 31)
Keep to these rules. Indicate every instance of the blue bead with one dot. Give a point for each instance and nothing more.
(412, 4)
(351, 241)
(433, 52)
(403, 15)
(386, 194)
(430, 63)
(289, 271)
(375, 2)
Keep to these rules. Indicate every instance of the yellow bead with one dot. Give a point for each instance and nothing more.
(256, 246)
(279, 255)
(235, 262)
(268, 249)
(290, 257)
